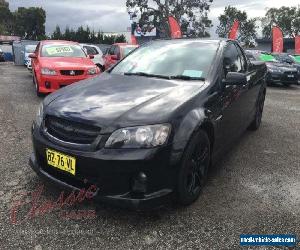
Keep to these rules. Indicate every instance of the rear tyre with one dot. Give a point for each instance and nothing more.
(255, 124)
(192, 175)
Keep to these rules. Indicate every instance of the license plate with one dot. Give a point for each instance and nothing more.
(61, 161)
(291, 76)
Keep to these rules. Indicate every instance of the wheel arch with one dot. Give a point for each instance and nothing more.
(196, 120)
(208, 127)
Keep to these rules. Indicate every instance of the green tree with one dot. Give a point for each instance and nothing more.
(287, 18)
(191, 15)
(86, 35)
(247, 27)
(120, 39)
(6, 19)
(30, 23)
(57, 35)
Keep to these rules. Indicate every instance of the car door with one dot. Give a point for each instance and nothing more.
(249, 92)
(229, 121)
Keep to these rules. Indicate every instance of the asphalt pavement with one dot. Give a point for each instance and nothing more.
(255, 189)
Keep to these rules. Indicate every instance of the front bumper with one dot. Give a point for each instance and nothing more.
(113, 172)
(276, 77)
(49, 84)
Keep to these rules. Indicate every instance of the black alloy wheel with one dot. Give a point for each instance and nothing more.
(193, 172)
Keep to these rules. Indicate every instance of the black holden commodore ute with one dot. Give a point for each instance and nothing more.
(149, 128)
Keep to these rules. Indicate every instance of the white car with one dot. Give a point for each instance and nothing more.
(96, 52)
(29, 66)
(29, 49)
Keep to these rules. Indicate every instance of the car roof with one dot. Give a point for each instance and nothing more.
(58, 42)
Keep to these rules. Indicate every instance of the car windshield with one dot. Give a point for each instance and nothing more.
(30, 48)
(62, 50)
(127, 50)
(189, 59)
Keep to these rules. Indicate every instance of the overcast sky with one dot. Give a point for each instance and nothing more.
(111, 15)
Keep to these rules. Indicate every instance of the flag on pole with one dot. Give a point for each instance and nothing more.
(277, 40)
(234, 30)
(174, 28)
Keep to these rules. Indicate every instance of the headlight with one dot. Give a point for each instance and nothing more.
(92, 71)
(46, 71)
(139, 137)
(39, 115)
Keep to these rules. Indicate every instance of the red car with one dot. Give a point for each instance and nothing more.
(117, 52)
(56, 64)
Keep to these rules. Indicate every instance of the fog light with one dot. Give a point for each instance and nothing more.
(48, 85)
(140, 183)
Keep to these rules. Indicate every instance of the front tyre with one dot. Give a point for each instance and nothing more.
(36, 86)
(194, 167)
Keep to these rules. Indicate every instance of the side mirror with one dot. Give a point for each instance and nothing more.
(32, 56)
(91, 56)
(235, 78)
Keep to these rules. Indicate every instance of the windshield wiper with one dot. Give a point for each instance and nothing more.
(146, 75)
(184, 77)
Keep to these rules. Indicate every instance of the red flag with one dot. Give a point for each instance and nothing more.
(174, 28)
(297, 45)
(234, 30)
(133, 40)
(277, 40)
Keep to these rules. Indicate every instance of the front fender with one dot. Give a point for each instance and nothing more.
(186, 128)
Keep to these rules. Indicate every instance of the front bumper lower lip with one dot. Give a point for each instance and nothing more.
(148, 202)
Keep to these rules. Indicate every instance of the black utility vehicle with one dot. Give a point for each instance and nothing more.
(292, 60)
(150, 127)
(279, 71)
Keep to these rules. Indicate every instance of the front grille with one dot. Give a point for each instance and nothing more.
(72, 72)
(69, 131)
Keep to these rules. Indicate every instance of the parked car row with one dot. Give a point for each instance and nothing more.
(282, 68)
(147, 129)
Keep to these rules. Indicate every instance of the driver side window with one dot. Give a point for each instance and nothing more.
(232, 60)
